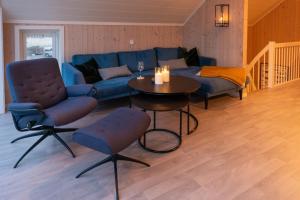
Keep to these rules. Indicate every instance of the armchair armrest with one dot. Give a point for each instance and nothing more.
(71, 75)
(81, 90)
(206, 61)
(19, 110)
(24, 107)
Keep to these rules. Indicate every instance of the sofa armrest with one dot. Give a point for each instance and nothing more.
(206, 61)
(81, 90)
(71, 75)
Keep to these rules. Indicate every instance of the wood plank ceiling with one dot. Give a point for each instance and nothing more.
(132, 11)
(124, 11)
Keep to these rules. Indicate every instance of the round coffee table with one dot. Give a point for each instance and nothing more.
(172, 96)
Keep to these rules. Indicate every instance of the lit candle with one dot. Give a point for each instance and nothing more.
(221, 20)
(166, 74)
(158, 77)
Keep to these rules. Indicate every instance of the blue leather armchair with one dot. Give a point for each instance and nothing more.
(41, 102)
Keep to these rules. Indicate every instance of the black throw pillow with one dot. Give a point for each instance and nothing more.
(192, 57)
(89, 71)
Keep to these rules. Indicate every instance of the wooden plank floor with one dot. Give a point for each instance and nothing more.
(242, 150)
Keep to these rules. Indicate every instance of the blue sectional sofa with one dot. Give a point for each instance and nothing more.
(117, 87)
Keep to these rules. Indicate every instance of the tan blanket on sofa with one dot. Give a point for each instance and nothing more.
(236, 75)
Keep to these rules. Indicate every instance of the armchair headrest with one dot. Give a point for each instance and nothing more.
(37, 81)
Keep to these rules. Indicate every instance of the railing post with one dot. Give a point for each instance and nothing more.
(271, 64)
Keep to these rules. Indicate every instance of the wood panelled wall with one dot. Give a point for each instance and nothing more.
(280, 25)
(95, 39)
(225, 44)
(103, 38)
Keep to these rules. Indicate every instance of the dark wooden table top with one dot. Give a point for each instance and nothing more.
(160, 102)
(177, 85)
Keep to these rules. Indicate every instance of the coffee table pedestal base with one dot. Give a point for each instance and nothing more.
(143, 143)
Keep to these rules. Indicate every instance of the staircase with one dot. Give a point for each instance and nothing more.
(276, 64)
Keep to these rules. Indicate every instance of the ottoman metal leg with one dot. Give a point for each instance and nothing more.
(116, 178)
(108, 159)
(30, 148)
(114, 159)
(64, 144)
(28, 136)
(124, 158)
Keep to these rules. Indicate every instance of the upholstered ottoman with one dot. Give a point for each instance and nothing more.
(112, 134)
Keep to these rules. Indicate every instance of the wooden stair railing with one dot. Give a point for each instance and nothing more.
(276, 64)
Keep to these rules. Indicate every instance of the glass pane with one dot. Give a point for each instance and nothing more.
(39, 46)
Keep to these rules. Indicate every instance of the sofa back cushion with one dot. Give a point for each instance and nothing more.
(81, 59)
(169, 53)
(131, 59)
(107, 60)
(103, 60)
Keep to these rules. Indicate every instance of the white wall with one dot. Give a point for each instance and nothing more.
(2, 88)
(224, 44)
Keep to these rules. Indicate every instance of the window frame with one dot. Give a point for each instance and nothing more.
(2, 82)
(18, 39)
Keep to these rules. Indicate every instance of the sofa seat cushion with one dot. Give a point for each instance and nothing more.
(216, 85)
(208, 85)
(213, 85)
(131, 59)
(189, 71)
(146, 73)
(112, 87)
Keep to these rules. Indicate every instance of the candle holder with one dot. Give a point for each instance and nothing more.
(158, 77)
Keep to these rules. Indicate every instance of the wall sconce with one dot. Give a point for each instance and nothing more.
(222, 15)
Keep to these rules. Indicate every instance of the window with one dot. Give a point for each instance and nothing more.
(33, 42)
(40, 45)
